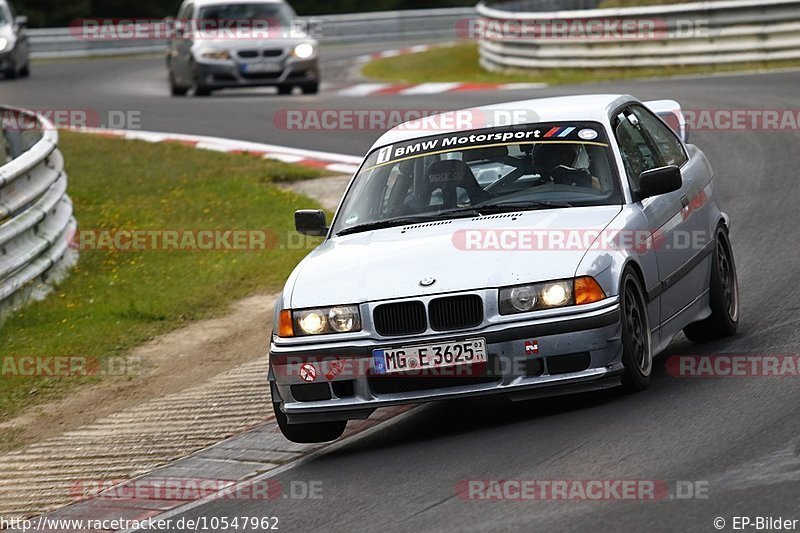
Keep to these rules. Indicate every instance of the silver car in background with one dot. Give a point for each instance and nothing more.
(14, 47)
(218, 44)
(552, 253)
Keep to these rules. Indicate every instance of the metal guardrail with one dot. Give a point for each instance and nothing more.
(701, 33)
(424, 24)
(36, 222)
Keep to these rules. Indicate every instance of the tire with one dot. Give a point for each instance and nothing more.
(285, 89)
(174, 88)
(25, 71)
(723, 296)
(310, 88)
(199, 88)
(313, 432)
(637, 346)
(11, 73)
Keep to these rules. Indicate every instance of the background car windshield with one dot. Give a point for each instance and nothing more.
(275, 13)
(535, 169)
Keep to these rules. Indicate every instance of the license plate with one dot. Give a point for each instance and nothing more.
(259, 68)
(440, 355)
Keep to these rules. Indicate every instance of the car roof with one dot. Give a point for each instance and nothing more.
(589, 107)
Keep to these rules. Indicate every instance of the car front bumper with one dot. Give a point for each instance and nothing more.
(228, 74)
(577, 352)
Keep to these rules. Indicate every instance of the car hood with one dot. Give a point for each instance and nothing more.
(390, 263)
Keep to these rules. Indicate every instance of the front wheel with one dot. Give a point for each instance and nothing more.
(637, 348)
(723, 295)
(312, 432)
(200, 89)
(310, 88)
(174, 88)
(11, 73)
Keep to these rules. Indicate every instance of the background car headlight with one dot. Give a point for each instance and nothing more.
(337, 319)
(217, 55)
(304, 50)
(549, 295)
(3, 43)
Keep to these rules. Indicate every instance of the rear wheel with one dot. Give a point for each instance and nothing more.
(723, 295)
(311, 432)
(285, 89)
(637, 349)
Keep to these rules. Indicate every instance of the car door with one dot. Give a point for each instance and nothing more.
(181, 44)
(664, 213)
(687, 255)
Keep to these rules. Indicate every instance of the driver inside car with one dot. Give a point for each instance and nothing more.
(555, 162)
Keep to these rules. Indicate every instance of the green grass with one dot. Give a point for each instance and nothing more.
(462, 66)
(115, 300)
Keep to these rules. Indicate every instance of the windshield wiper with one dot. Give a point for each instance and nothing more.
(404, 221)
(500, 207)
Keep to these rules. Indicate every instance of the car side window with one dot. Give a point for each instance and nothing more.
(667, 143)
(638, 152)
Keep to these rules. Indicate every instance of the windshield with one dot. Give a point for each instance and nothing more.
(275, 13)
(537, 166)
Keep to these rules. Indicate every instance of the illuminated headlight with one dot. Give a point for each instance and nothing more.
(216, 55)
(338, 319)
(304, 50)
(3, 43)
(557, 294)
(549, 295)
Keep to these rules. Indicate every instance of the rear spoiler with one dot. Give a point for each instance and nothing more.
(671, 113)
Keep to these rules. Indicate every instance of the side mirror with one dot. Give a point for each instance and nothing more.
(310, 222)
(21, 22)
(659, 181)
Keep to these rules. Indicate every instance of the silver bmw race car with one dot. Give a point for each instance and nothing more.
(552, 246)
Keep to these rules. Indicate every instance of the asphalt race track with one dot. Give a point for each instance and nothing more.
(740, 435)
